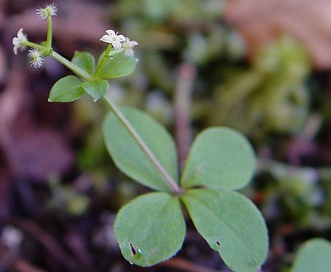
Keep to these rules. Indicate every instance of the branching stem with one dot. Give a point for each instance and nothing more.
(125, 122)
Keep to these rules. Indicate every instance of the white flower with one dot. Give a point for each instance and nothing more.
(36, 58)
(19, 41)
(113, 38)
(47, 11)
(128, 47)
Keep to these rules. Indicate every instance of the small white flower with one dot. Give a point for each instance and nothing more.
(19, 40)
(128, 47)
(36, 58)
(113, 38)
(47, 11)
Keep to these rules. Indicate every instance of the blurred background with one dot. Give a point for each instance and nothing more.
(261, 67)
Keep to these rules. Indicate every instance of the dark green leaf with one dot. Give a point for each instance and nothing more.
(231, 225)
(150, 229)
(129, 157)
(85, 61)
(115, 66)
(96, 89)
(66, 89)
(220, 158)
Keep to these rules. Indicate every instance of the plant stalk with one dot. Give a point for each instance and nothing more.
(165, 175)
(49, 37)
(78, 71)
(163, 172)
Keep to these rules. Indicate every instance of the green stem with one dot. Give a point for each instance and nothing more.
(105, 56)
(33, 45)
(108, 54)
(78, 71)
(49, 33)
(163, 172)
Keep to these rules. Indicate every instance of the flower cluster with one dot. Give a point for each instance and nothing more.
(36, 58)
(119, 41)
(20, 42)
(39, 51)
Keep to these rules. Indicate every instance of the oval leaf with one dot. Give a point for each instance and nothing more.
(231, 225)
(96, 89)
(66, 89)
(314, 255)
(115, 66)
(220, 158)
(150, 229)
(85, 61)
(129, 157)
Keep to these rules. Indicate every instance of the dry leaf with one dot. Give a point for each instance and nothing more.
(43, 152)
(31, 151)
(261, 22)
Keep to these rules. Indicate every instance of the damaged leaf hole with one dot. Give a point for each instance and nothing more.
(218, 243)
(135, 251)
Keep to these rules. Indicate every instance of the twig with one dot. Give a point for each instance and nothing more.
(182, 110)
(47, 241)
(23, 266)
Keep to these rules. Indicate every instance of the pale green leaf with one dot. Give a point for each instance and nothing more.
(313, 256)
(85, 61)
(129, 157)
(220, 158)
(115, 66)
(96, 88)
(150, 229)
(231, 225)
(66, 89)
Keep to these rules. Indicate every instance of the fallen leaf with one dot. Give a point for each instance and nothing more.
(261, 22)
(43, 152)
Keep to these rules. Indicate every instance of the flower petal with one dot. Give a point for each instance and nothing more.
(121, 38)
(111, 32)
(117, 45)
(106, 38)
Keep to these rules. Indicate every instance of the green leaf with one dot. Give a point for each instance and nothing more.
(129, 157)
(231, 225)
(314, 255)
(66, 89)
(96, 89)
(220, 158)
(115, 66)
(85, 61)
(150, 229)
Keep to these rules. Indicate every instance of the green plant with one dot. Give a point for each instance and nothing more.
(151, 228)
(265, 96)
